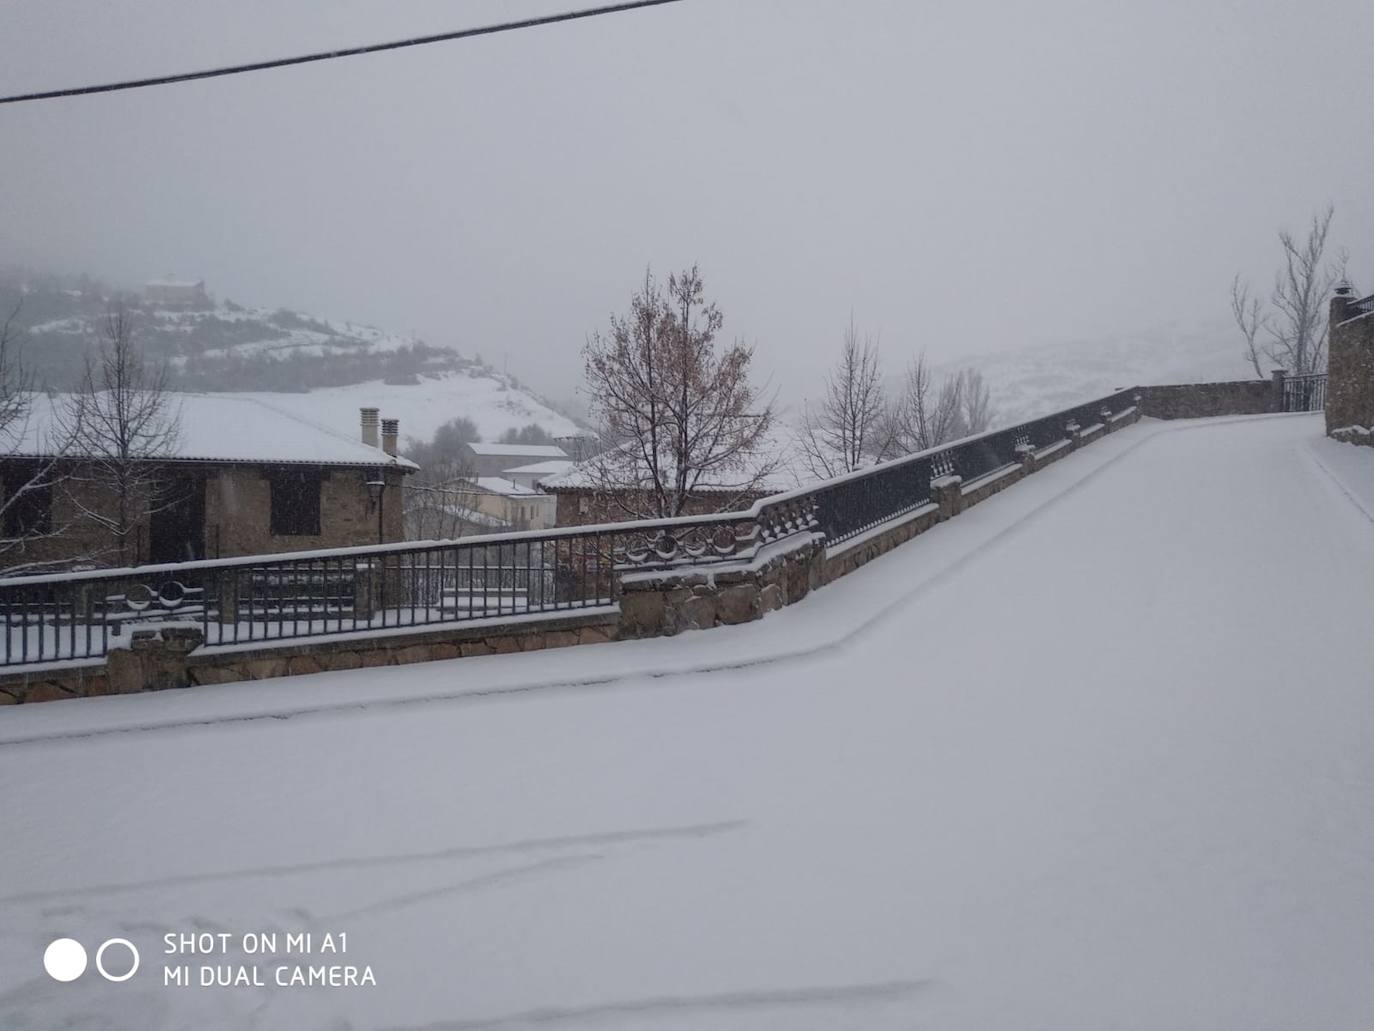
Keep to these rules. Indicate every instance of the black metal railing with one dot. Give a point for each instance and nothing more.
(1304, 393)
(531, 574)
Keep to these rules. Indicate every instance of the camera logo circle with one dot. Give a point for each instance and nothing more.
(65, 959)
(100, 957)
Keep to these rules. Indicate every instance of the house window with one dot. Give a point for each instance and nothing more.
(29, 512)
(295, 503)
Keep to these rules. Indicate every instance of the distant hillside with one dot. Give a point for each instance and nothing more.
(223, 346)
(1036, 380)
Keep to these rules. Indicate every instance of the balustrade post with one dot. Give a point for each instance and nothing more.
(948, 493)
(364, 591)
(1276, 398)
(226, 588)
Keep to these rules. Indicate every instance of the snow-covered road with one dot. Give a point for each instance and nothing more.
(1099, 753)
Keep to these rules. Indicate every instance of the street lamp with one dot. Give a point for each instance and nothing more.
(376, 497)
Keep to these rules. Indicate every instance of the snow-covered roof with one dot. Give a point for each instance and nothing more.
(500, 485)
(222, 428)
(531, 451)
(550, 468)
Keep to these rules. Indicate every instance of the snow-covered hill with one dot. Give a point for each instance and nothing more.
(1037, 380)
(324, 369)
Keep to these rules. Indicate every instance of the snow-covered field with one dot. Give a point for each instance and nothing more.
(1095, 754)
(1031, 381)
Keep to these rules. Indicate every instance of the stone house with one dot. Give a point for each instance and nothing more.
(243, 478)
(530, 475)
(517, 506)
(488, 459)
(176, 293)
(612, 488)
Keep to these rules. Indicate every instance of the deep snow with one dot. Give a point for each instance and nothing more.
(1095, 754)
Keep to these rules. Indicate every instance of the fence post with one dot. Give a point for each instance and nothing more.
(1277, 378)
(226, 588)
(364, 591)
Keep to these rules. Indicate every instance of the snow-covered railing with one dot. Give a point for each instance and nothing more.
(268, 598)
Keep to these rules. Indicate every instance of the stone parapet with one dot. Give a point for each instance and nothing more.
(1202, 400)
(1350, 373)
(664, 603)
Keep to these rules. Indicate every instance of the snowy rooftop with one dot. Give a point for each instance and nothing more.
(225, 428)
(501, 485)
(548, 468)
(518, 450)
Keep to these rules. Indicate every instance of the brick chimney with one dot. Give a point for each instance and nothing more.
(391, 429)
(369, 426)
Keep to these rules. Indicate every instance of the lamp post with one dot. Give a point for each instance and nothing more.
(376, 488)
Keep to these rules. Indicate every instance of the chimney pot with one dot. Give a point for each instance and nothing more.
(369, 425)
(391, 430)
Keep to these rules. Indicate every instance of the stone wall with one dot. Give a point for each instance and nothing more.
(238, 512)
(237, 515)
(1350, 372)
(170, 657)
(1199, 400)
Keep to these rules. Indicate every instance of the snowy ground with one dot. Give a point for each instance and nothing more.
(1095, 754)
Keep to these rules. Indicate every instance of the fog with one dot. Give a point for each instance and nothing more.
(962, 177)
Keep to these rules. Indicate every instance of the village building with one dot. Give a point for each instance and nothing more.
(242, 477)
(530, 475)
(488, 459)
(516, 506)
(615, 486)
(170, 292)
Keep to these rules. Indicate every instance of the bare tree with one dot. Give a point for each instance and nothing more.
(125, 427)
(1291, 334)
(439, 502)
(33, 458)
(684, 413)
(976, 397)
(928, 415)
(850, 428)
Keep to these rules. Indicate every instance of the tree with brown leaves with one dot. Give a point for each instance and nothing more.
(680, 411)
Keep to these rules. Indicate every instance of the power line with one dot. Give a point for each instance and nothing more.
(329, 55)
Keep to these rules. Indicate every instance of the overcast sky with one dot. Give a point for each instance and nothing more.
(964, 177)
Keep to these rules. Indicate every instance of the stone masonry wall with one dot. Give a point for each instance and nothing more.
(1199, 400)
(1350, 375)
(238, 512)
(169, 657)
